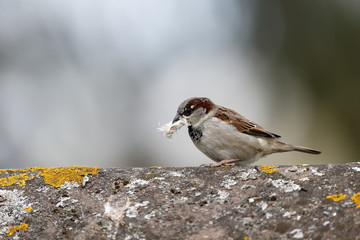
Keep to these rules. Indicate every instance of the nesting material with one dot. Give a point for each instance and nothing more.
(170, 128)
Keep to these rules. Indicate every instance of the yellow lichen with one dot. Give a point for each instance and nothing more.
(268, 169)
(19, 179)
(337, 197)
(28, 209)
(58, 176)
(356, 199)
(33, 169)
(23, 170)
(15, 228)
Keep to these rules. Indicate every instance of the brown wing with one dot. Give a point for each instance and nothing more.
(242, 124)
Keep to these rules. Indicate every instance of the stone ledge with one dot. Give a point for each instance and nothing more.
(282, 202)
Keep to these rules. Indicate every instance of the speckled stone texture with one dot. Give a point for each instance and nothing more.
(292, 202)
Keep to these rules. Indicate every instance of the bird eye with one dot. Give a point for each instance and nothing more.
(187, 112)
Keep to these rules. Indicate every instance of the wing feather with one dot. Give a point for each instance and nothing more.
(243, 124)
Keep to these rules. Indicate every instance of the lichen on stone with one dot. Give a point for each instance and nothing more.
(14, 229)
(336, 197)
(356, 199)
(285, 185)
(28, 209)
(60, 175)
(33, 169)
(20, 179)
(268, 168)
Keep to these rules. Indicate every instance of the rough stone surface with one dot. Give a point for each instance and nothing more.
(289, 202)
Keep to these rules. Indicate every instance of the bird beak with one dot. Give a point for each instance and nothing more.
(176, 118)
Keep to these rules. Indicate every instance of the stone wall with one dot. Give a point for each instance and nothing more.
(268, 202)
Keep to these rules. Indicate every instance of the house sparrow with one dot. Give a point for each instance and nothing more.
(225, 136)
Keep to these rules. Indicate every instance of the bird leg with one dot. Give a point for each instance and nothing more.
(225, 162)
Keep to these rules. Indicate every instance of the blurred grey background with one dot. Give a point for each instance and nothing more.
(88, 82)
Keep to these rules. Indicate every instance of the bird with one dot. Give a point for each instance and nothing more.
(227, 137)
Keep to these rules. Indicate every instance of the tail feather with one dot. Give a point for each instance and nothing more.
(305, 150)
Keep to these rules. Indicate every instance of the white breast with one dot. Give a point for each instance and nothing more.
(221, 141)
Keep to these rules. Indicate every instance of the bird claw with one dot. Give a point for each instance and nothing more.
(226, 163)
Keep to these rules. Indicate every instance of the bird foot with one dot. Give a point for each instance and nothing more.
(226, 162)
